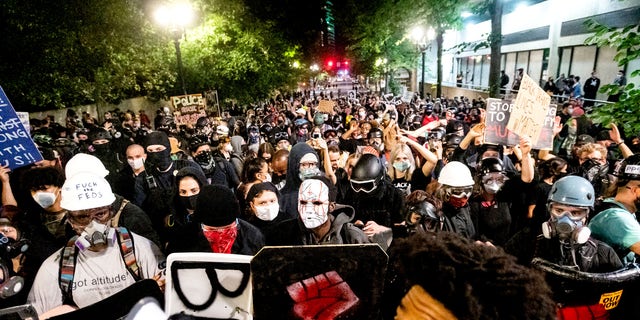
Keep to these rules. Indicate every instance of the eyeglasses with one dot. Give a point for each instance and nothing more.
(363, 186)
(84, 217)
(459, 192)
(495, 177)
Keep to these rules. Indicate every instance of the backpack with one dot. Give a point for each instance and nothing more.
(69, 255)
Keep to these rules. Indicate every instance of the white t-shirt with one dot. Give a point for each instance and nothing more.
(98, 275)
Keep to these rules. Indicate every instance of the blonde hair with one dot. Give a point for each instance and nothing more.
(406, 150)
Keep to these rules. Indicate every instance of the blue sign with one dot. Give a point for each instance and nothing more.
(16, 146)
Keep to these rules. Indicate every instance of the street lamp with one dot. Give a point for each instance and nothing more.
(175, 17)
(422, 39)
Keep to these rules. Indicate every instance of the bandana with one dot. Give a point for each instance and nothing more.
(221, 240)
(313, 203)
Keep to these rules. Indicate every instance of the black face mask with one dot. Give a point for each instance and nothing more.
(102, 149)
(161, 160)
(276, 179)
(189, 202)
(205, 160)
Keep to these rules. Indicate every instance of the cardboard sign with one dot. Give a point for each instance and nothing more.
(530, 109)
(318, 282)
(407, 96)
(188, 108)
(352, 94)
(326, 106)
(18, 149)
(209, 285)
(497, 117)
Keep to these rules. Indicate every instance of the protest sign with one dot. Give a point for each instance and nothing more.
(530, 109)
(209, 285)
(189, 108)
(498, 115)
(325, 106)
(407, 96)
(351, 94)
(18, 149)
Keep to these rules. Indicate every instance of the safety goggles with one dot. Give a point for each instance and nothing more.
(281, 135)
(84, 217)
(494, 177)
(573, 213)
(364, 186)
(459, 192)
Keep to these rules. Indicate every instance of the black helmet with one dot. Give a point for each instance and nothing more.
(489, 165)
(628, 169)
(452, 140)
(265, 129)
(375, 133)
(203, 122)
(99, 133)
(196, 141)
(367, 174)
(437, 133)
(489, 147)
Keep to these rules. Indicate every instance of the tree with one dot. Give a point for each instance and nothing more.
(626, 41)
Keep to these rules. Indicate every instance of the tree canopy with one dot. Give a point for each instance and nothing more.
(64, 54)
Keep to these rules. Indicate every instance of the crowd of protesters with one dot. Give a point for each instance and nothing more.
(413, 176)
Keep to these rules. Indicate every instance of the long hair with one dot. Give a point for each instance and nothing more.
(401, 149)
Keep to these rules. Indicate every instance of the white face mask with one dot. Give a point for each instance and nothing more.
(267, 177)
(136, 163)
(228, 148)
(313, 203)
(268, 212)
(45, 199)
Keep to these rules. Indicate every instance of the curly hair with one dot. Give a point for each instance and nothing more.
(473, 281)
(38, 178)
(551, 168)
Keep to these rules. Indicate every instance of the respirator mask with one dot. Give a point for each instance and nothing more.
(95, 235)
(567, 226)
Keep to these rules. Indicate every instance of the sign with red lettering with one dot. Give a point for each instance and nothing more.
(18, 149)
(188, 108)
(496, 120)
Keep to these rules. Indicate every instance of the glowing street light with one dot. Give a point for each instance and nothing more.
(422, 38)
(175, 17)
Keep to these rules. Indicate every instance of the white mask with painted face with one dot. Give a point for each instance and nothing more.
(313, 203)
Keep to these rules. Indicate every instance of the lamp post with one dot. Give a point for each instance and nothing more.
(175, 17)
(422, 39)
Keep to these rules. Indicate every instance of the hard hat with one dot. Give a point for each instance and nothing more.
(573, 191)
(84, 191)
(456, 174)
(83, 162)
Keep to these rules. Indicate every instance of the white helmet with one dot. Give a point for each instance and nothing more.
(86, 191)
(456, 174)
(83, 162)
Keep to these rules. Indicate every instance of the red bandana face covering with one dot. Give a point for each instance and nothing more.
(221, 240)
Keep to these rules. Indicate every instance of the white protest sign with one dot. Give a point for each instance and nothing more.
(530, 109)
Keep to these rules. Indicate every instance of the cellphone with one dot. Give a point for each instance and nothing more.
(316, 135)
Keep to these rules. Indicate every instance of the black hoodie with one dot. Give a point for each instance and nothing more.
(289, 198)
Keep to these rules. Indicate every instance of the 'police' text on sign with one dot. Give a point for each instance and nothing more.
(16, 147)
(190, 107)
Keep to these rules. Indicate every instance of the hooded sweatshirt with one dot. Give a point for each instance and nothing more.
(289, 198)
(236, 158)
(342, 231)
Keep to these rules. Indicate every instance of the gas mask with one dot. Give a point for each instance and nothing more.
(95, 235)
(9, 285)
(493, 182)
(13, 248)
(45, 199)
(566, 228)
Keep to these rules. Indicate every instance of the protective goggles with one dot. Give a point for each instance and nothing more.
(573, 213)
(459, 192)
(281, 135)
(364, 186)
(496, 177)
